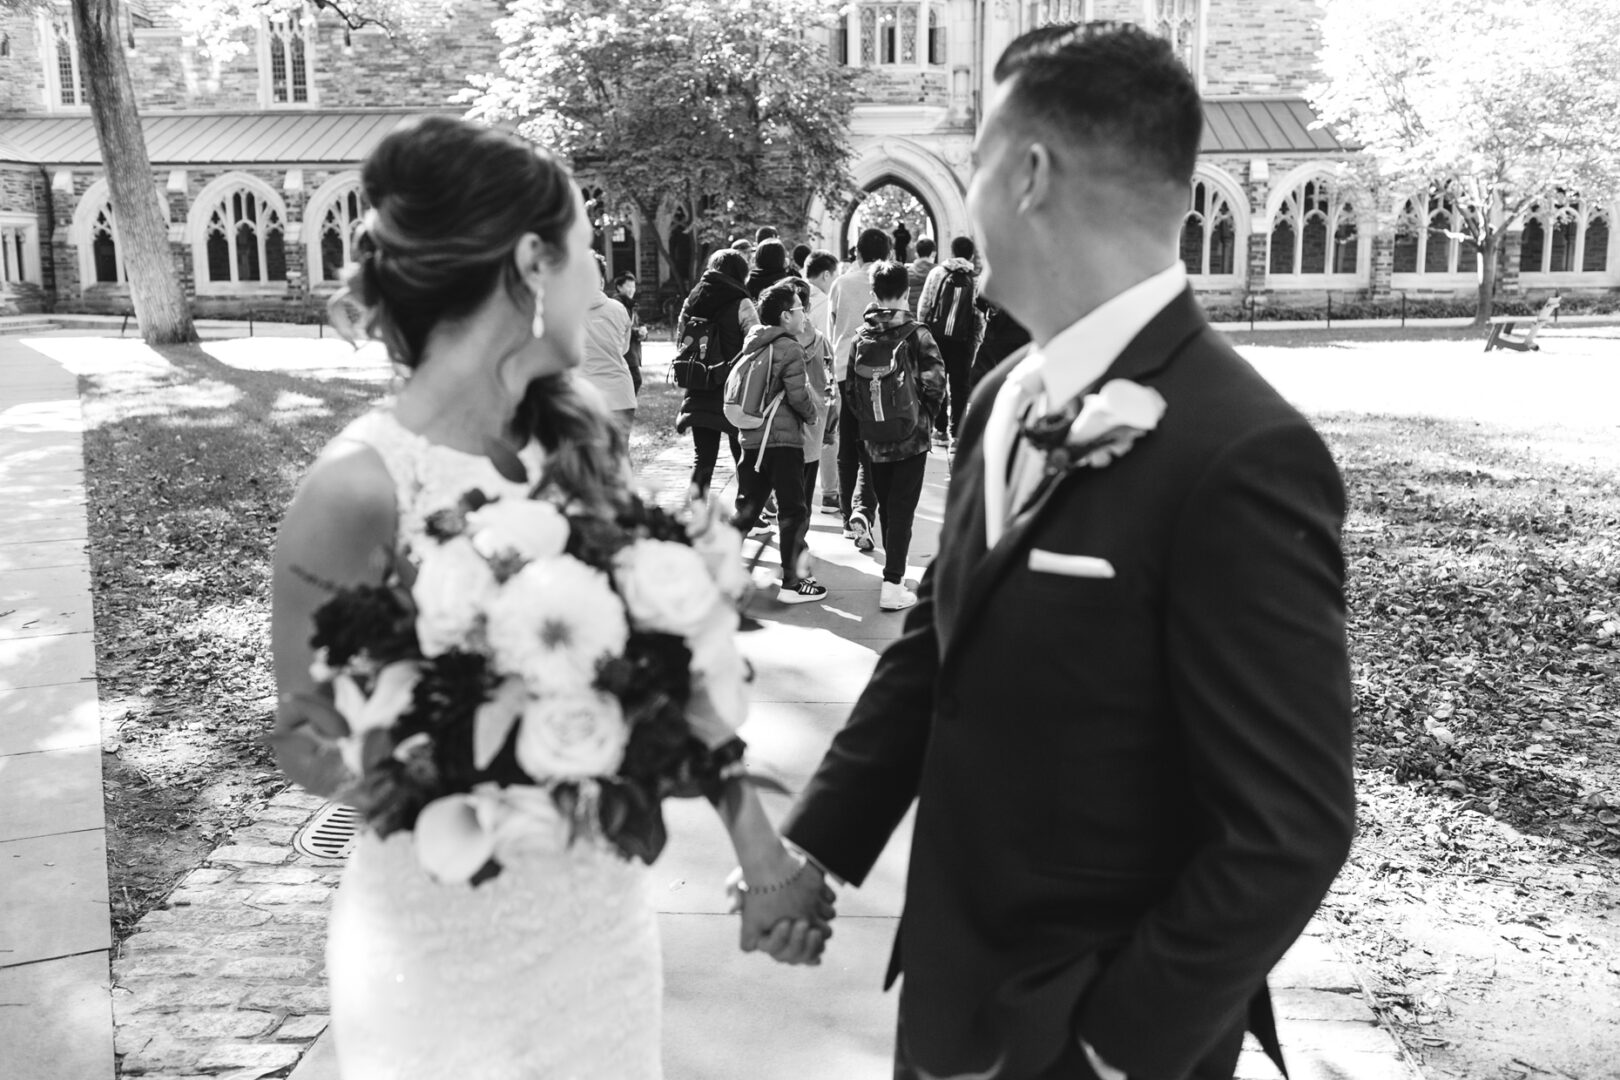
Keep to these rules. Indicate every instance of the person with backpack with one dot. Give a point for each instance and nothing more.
(709, 333)
(818, 372)
(946, 307)
(919, 269)
(896, 384)
(768, 397)
(770, 266)
(850, 296)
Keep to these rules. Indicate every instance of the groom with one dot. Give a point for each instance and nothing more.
(1123, 703)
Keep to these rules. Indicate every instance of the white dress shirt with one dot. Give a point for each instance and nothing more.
(1065, 366)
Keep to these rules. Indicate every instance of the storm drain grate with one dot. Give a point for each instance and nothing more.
(331, 833)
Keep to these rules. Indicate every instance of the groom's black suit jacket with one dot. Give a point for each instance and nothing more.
(1132, 792)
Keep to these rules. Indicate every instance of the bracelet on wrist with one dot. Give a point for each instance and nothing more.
(761, 890)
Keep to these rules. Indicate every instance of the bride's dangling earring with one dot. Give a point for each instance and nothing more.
(539, 291)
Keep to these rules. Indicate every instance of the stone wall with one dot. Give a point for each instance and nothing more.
(24, 190)
(1261, 46)
(359, 69)
(903, 86)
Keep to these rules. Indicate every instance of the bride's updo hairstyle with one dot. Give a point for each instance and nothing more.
(449, 202)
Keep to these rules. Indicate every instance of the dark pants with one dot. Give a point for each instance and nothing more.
(812, 469)
(899, 486)
(855, 491)
(958, 357)
(781, 473)
(1219, 1064)
(705, 452)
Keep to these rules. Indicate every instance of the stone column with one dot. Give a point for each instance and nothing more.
(1257, 185)
(1507, 263)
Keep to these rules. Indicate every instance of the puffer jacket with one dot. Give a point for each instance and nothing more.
(716, 297)
(921, 353)
(788, 378)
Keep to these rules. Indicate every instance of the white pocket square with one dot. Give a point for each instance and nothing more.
(1052, 562)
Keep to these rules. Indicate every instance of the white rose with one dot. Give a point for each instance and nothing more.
(552, 622)
(451, 843)
(525, 528)
(719, 702)
(666, 586)
(720, 547)
(572, 735)
(453, 585)
(1121, 411)
(521, 818)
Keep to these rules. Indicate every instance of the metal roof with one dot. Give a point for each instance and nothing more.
(181, 139)
(1264, 126)
(344, 136)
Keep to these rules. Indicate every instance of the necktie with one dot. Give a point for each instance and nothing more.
(1025, 463)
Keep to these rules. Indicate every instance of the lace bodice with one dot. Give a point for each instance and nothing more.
(549, 971)
(429, 476)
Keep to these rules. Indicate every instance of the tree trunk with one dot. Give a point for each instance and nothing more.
(161, 309)
(1487, 275)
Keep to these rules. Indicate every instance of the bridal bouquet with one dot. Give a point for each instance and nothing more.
(537, 675)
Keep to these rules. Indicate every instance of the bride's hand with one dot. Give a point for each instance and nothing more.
(788, 918)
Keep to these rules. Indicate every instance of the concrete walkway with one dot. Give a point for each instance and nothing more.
(55, 1016)
(226, 979)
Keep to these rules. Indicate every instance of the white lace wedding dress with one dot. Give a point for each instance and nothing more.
(550, 970)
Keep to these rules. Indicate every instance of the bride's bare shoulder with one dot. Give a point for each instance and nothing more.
(347, 493)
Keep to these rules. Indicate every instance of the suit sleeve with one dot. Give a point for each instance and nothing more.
(1260, 683)
(869, 776)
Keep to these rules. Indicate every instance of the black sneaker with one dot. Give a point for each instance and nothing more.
(803, 593)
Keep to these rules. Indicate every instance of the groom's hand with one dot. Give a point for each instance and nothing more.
(790, 924)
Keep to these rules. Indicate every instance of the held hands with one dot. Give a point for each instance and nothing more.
(787, 917)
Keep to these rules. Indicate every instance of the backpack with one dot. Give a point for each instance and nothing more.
(952, 316)
(744, 400)
(694, 367)
(883, 388)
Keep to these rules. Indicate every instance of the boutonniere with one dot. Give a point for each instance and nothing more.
(1094, 429)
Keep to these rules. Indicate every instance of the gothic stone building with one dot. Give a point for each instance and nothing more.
(256, 157)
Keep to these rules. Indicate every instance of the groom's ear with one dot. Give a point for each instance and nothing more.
(1032, 186)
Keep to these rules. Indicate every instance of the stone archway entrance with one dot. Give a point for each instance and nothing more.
(910, 166)
(890, 201)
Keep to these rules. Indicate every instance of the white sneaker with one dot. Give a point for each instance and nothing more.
(896, 597)
(862, 530)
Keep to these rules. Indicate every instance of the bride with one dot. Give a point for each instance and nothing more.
(475, 270)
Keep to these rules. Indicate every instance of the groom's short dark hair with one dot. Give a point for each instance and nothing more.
(1109, 86)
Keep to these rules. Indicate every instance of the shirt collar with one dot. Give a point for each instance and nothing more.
(1079, 355)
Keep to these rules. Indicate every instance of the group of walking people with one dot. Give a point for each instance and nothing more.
(870, 365)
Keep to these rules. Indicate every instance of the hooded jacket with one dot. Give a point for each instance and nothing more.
(722, 298)
(921, 353)
(788, 378)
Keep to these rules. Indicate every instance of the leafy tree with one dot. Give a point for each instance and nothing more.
(1493, 108)
(730, 108)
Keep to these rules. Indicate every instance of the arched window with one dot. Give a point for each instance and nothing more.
(1314, 230)
(1564, 236)
(337, 232)
(104, 254)
(64, 78)
(243, 236)
(1047, 12)
(284, 59)
(1177, 21)
(1209, 231)
(901, 32)
(1430, 237)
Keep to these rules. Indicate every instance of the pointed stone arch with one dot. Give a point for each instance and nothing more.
(900, 161)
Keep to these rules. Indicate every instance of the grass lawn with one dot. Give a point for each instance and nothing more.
(1483, 548)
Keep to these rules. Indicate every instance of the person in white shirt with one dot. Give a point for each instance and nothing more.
(849, 298)
(603, 366)
(821, 270)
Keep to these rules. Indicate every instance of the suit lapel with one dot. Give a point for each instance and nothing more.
(1148, 353)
